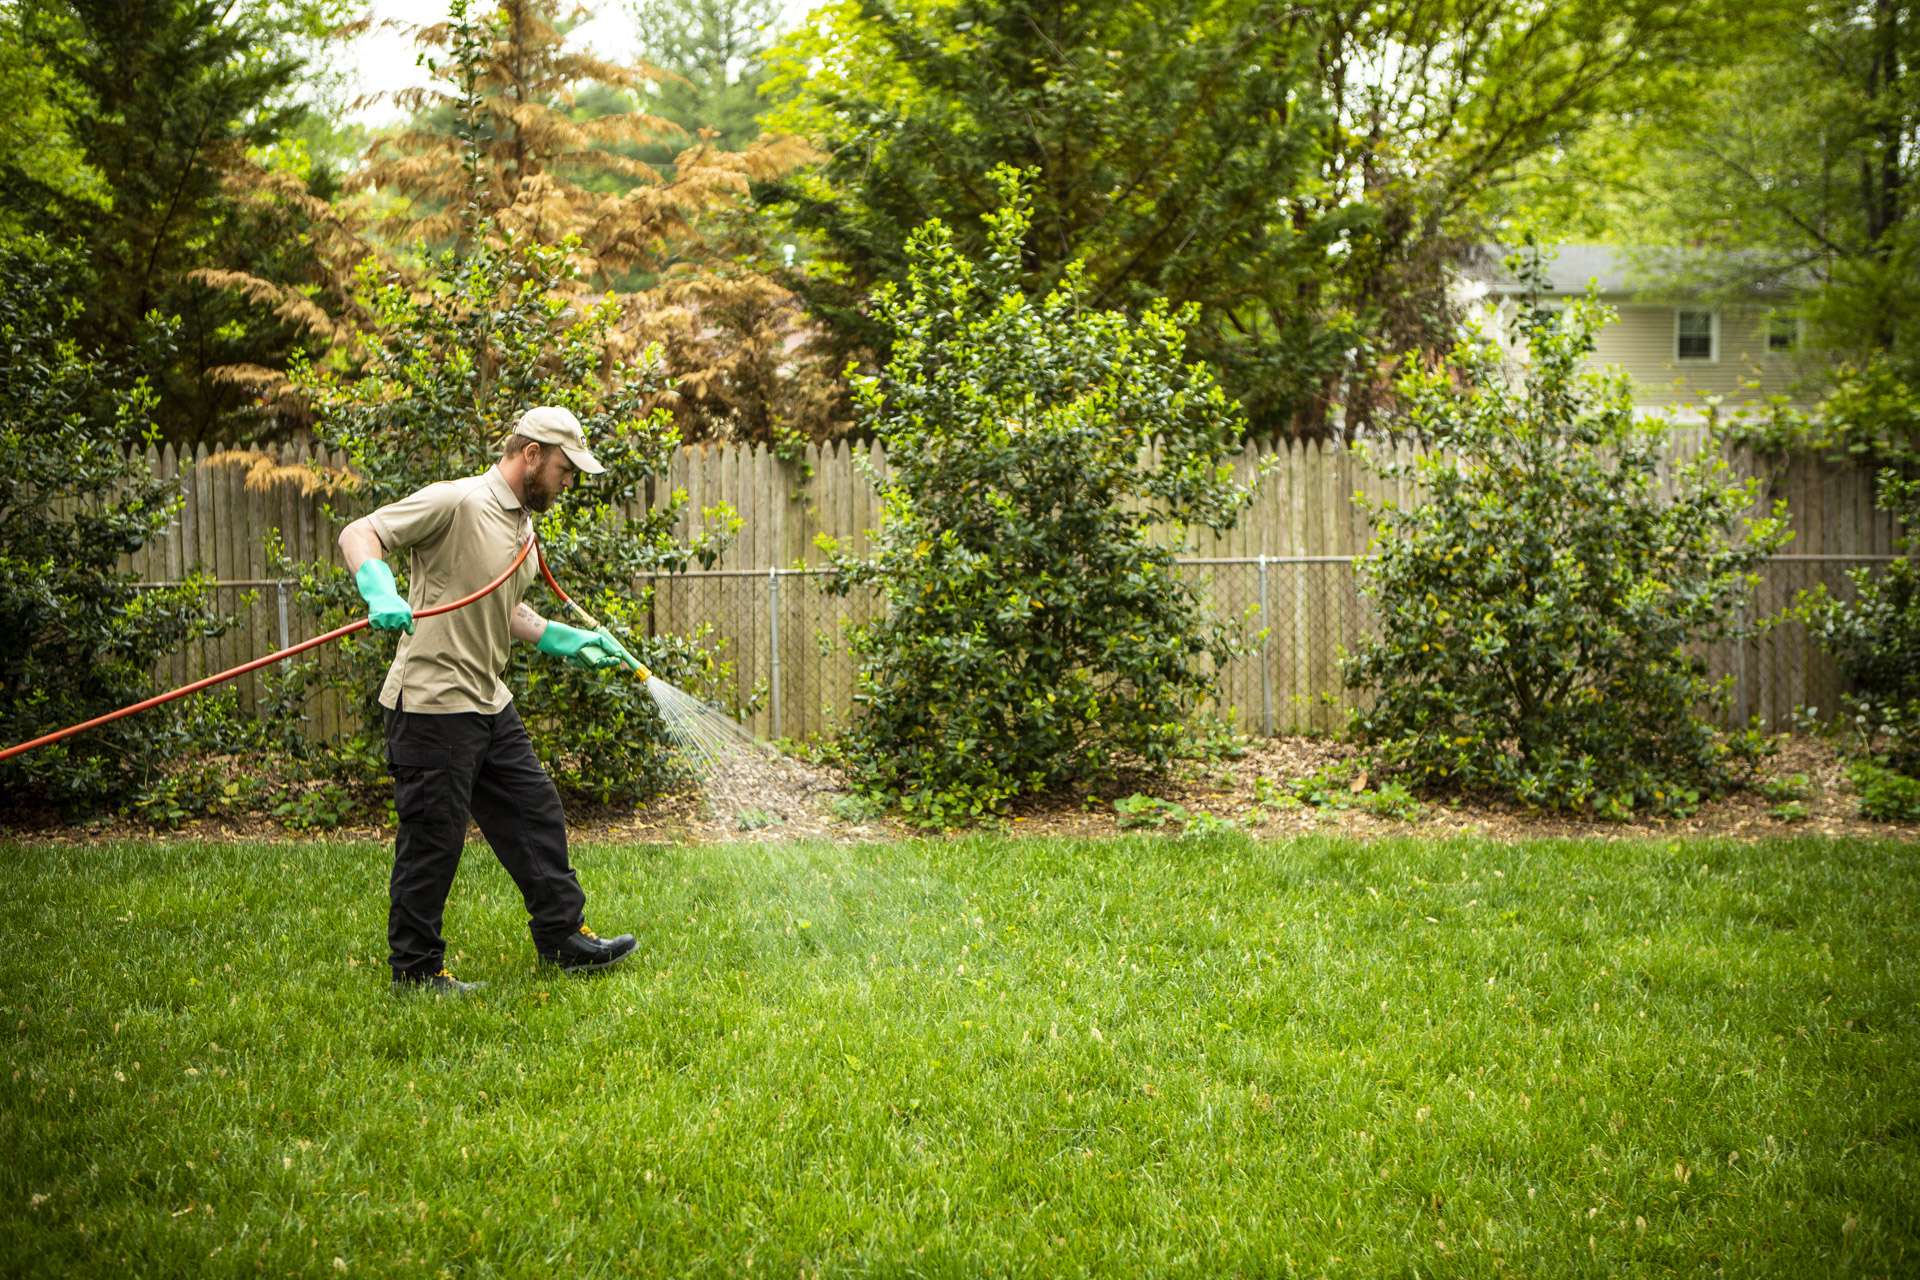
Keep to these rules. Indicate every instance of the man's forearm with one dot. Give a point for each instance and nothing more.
(359, 544)
(527, 625)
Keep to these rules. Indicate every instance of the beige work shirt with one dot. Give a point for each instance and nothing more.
(461, 533)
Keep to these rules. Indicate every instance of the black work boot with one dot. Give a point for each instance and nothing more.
(442, 983)
(586, 950)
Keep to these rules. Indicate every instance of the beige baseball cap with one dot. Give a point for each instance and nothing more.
(551, 424)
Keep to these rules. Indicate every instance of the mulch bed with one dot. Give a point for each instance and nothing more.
(794, 800)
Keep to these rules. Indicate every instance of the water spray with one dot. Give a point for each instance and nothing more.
(716, 748)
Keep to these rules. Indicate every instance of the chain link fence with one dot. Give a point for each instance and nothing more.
(782, 638)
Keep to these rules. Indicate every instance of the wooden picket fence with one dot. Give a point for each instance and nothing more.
(1285, 572)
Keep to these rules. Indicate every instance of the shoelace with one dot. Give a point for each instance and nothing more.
(447, 974)
(589, 933)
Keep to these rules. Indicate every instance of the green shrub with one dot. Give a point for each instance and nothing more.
(454, 353)
(1035, 629)
(76, 494)
(1545, 605)
(1886, 795)
(1791, 811)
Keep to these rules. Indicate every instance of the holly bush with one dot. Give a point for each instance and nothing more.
(76, 494)
(452, 354)
(1545, 606)
(1035, 631)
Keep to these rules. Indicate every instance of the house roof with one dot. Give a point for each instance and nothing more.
(1622, 270)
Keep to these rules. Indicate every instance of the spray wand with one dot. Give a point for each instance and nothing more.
(587, 619)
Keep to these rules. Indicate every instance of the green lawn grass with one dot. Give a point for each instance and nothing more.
(984, 1056)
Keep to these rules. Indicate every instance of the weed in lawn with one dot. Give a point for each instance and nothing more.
(856, 808)
(315, 806)
(756, 819)
(1331, 786)
(1790, 811)
(1202, 825)
(1343, 785)
(1269, 797)
(1392, 801)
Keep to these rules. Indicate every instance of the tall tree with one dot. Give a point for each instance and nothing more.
(159, 98)
(498, 148)
(713, 54)
(497, 139)
(1302, 170)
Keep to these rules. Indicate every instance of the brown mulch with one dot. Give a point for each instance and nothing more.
(787, 799)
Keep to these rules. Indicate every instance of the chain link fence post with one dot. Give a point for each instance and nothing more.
(773, 645)
(1266, 661)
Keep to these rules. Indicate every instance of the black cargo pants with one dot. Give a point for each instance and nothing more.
(446, 767)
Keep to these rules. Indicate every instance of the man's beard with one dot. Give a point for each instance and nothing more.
(539, 497)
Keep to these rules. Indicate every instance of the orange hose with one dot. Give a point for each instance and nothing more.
(270, 659)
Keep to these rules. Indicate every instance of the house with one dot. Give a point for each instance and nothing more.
(1679, 342)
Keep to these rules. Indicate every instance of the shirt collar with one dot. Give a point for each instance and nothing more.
(501, 490)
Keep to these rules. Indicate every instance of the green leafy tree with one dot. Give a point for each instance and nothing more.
(161, 100)
(1796, 157)
(1035, 629)
(1303, 172)
(1544, 604)
(451, 358)
(75, 496)
(1788, 156)
(713, 52)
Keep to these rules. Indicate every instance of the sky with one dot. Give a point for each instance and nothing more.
(382, 60)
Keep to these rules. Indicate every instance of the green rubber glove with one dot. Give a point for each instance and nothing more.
(387, 609)
(582, 648)
(607, 638)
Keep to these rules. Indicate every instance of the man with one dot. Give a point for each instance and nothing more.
(454, 741)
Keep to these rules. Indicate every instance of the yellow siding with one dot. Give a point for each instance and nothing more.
(1641, 342)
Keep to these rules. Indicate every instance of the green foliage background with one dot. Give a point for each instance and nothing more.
(76, 494)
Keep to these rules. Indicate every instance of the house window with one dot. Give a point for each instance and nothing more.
(1783, 333)
(1696, 335)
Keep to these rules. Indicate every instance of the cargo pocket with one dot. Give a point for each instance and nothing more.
(422, 781)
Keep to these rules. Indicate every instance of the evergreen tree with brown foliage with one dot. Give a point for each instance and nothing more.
(495, 149)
